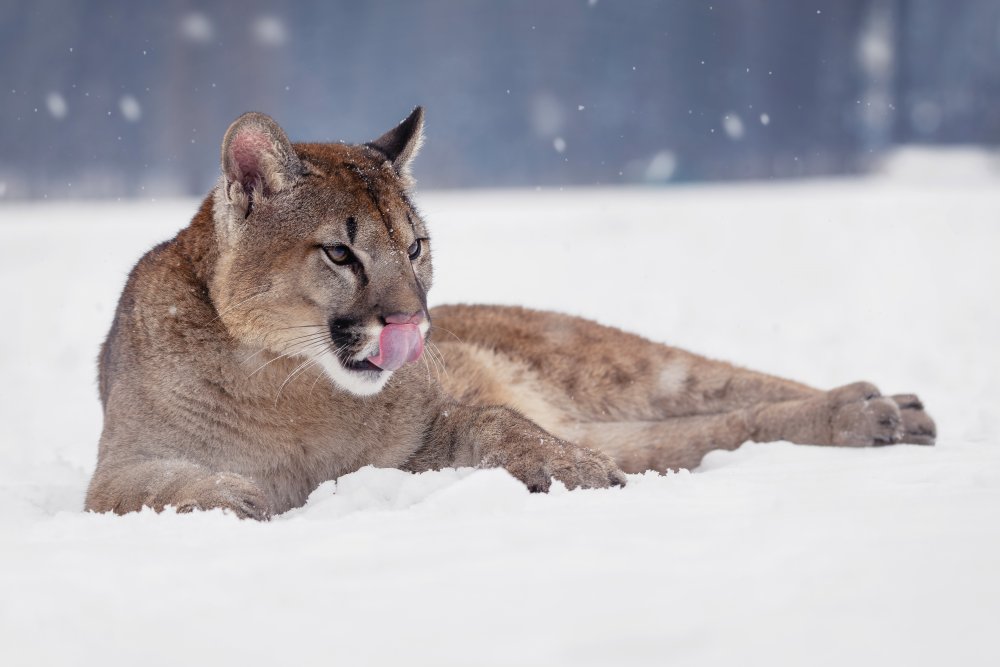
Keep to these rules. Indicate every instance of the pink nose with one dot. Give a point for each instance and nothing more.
(403, 318)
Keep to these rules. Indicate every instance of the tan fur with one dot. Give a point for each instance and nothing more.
(234, 374)
(650, 406)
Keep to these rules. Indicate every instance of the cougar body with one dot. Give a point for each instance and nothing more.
(278, 342)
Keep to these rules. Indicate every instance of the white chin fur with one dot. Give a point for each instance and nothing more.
(359, 384)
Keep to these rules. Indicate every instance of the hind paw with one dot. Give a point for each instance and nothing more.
(862, 417)
(918, 427)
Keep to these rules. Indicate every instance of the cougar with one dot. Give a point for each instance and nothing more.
(278, 341)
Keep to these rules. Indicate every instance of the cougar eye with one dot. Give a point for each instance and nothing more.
(339, 254)
(414, 249)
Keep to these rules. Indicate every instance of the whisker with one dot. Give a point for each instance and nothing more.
(240, 303)
(252, 355)
(429, 362)
(308, 336)
(298, 340)
(319, 376)
(315, 345)
(267, 363)
(305, 364)
(300, 326)
(427, 368)
(301, 368)
(438, 358)
(285, 355)
(447, 331)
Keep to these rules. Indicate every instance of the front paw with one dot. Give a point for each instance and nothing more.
(537, 462)
(228, 491)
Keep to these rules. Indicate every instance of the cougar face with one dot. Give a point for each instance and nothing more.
(322, 255)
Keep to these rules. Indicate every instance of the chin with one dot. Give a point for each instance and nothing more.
(357, 382)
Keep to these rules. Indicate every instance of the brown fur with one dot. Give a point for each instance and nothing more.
(224, 376)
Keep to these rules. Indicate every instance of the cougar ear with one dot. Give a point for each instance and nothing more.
(257, 161)
(401, 143)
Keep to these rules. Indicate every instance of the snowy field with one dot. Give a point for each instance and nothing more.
(773, 554)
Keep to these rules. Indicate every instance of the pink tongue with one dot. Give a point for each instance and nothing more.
(397, 345)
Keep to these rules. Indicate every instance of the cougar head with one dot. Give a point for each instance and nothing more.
(322, 255)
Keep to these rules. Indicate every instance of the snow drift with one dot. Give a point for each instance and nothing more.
(772, 554)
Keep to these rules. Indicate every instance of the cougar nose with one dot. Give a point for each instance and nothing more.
(404, 318)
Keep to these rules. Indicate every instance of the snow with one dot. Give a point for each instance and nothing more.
(130, 108)
(56, 104)
(270, 31)
(661, 167)
(732, 124)
(773, 554)
(197, 27)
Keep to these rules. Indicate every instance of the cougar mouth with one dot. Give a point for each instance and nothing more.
(362, 358)
(349, 345)
(360, 366)
(394, 345)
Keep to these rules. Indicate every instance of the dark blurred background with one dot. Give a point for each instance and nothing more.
(131, 97)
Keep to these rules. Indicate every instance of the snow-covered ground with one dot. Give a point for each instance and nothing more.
(773, 554)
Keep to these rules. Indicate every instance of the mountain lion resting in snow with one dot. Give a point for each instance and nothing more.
(277, 342)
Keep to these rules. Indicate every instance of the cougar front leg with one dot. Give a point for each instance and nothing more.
(129, 485)
(637, 446)
(494, 436)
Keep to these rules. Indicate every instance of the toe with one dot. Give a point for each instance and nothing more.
(887, 422)
(852, 393)
(918, 428)
(866, 423)
(908, 401)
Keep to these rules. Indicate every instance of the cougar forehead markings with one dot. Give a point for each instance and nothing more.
(350, 198)
(278, 342)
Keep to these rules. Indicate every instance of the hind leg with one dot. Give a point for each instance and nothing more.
(648, 405)
(589, 371)
(851, 416)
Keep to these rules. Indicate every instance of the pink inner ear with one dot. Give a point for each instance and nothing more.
(246, 151)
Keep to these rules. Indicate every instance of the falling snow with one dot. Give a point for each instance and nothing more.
(733, 126)
(270, 31)
(56, 104)
(196, 27)
(130, 109)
